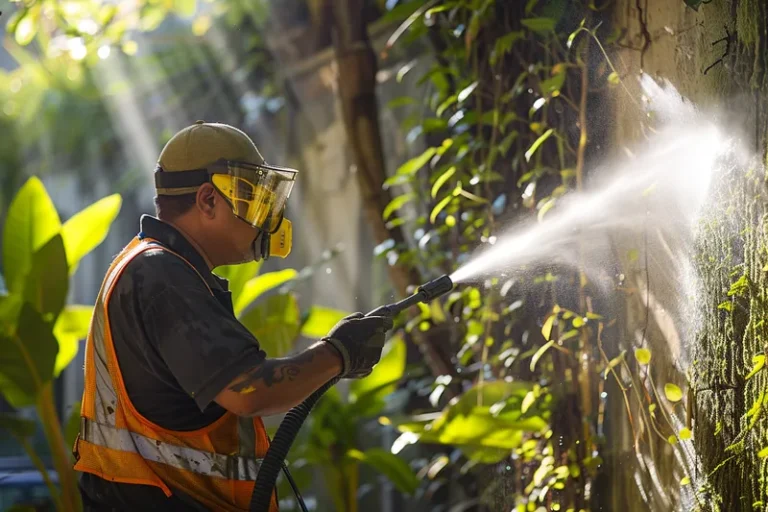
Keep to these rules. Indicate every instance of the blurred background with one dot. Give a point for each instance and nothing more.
(421, 129)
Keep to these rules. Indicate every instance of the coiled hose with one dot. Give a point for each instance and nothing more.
(280, 446)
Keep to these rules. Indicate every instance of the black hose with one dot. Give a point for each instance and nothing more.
(278, 449)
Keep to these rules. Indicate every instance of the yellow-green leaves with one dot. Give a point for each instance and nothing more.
(535, 146)
(673, 392)
(643, 356)
(88, 228)
(396, 203)
(685, 434)
(758, 363)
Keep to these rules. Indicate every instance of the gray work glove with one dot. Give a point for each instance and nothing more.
(359, 341)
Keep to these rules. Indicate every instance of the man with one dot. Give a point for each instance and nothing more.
(175, 386)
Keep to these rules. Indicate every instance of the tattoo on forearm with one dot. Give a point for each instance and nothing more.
(271, 372)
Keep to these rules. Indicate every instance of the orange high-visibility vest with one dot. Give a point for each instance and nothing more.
(216, 465)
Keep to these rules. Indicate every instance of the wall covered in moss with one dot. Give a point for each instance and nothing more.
(712, 341)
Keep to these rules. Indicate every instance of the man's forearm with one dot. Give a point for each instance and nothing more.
(277, 385)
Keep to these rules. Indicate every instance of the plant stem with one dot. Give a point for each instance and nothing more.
(38, 463)
(61, 460)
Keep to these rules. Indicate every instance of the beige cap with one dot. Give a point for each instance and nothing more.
(200, 145)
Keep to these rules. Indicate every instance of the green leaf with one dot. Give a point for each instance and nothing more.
(184, 8)
(31, 221)
(152, 15)
(540, 352)
(401, 101)
(320, 320)
(72, 427)
(504, 45)
(673, 392)
(614, 79)
(20, 428)
(238, 275)
(672, 439)
(261, 284)
(439, 207)
(759, 363)
(393, 467)
(445, 105)
(685, 434)
(413, 165)
(384, 377)
(555, 82)
(464, 93)
(763, 453)
(685, 481)
(48, 280)
(614, 362)
(544, 136)
(539, 25)
(397, 203)
(71, 326)
(275, 323)
(442, 179)
(643, 356)
(546, 329)
(85, 230)
(28, 358)
(26, 28)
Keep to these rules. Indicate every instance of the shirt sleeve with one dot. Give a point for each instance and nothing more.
(199, 339)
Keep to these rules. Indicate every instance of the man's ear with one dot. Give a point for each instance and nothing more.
(206, 200)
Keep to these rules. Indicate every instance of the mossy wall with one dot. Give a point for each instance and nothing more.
(715, 56)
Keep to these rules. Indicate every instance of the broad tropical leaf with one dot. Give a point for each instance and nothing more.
(28, 358)
(391, 466)
(382, 381)
(71, 326)
(85, 230)
(48, 281)
(259, 285)
(320, 320)
(32, 220)
(275, 323)
(238, 275)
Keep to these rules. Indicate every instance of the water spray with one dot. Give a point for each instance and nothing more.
(289, 428)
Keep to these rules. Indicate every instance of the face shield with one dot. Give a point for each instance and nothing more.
(257, 194)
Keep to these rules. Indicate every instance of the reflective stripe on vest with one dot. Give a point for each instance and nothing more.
(188, 459)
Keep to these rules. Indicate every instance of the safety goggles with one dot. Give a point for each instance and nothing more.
(257, 194)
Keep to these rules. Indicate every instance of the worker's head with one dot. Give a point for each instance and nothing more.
(214, 185)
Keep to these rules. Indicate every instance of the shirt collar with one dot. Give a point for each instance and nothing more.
(170, 237)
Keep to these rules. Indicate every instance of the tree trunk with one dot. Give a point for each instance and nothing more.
(357, 69)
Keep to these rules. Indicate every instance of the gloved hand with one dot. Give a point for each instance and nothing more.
(359, 340)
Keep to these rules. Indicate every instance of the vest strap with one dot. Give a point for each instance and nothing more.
(230, 467)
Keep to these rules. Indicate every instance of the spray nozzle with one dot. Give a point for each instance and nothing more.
(425, 293)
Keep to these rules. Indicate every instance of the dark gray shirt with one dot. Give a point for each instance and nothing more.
(177, 345)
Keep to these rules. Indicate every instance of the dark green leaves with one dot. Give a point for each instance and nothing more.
(28, 358)
(48, 280)
(540, 25)
(389, 465)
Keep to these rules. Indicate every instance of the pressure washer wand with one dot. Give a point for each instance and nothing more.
(425, 293)
(289, 428)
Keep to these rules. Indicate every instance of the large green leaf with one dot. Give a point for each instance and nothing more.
(32, 220)
(28, 358)
(71, 326)
(391, 466)
(275, 323)
(320, 320)
(259, 285)
(382, 381)
(20, 428)
(476, 422)
(48, 280)
(85, 230)
(238, 275)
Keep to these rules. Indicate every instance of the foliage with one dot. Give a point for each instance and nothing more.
(39, 332)
(502, 135)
